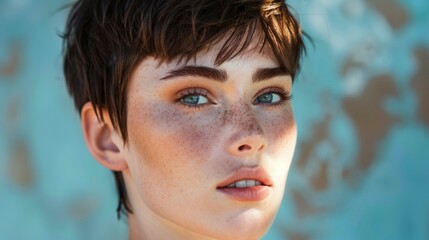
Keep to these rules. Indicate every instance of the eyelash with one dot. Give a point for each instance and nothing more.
(191, 92)
(284, 96)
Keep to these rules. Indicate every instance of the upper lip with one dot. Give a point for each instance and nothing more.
(247, 173)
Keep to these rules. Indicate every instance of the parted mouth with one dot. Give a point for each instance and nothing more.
(247, 177)
(245, 183)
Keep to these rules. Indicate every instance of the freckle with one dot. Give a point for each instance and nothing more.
(244, 118)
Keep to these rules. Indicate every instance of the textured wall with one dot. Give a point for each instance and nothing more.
(362, 105)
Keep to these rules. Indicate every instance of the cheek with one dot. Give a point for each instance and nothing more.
(167, 130)
(281, 131)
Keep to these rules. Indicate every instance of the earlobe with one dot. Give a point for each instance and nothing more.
(101, 139)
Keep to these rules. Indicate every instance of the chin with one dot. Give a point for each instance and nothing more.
(249, 225)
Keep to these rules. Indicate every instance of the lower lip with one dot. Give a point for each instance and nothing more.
(247, 194)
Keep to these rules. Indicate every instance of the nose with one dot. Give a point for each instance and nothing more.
(248, 145)
(247, 137)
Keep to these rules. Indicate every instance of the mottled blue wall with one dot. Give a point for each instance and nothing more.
(362, 105)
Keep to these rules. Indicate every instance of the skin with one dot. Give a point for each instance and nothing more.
(177, 153)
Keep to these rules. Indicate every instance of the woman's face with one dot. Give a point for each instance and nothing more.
(197, 132)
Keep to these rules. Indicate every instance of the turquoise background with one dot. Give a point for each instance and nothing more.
(362, 105)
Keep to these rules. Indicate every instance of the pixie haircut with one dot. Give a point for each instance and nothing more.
(105, 40)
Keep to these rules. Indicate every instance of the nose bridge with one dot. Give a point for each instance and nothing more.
(247, 134)
(242, 117)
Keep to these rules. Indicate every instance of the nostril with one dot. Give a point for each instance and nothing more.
(244, 147)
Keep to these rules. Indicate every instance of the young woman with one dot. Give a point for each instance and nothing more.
(188, 103)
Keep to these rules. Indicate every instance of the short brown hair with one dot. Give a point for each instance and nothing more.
(105, 40)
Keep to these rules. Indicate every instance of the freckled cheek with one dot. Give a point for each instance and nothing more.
(187, 135)
(195, 140)
(280, 129)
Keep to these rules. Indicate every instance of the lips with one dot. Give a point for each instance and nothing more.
(247, 184)
(259, 175)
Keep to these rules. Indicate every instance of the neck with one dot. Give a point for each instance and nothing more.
(138, 232)
(133, 228)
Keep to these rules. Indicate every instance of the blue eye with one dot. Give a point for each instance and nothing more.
(268, 98)
(194, 99)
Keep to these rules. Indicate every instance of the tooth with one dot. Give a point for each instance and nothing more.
(240, 184)
(250, 183)
(244, 183)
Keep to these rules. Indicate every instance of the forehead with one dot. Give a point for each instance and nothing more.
(247, 61)
(252, 55)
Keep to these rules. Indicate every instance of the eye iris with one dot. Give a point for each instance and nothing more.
(192, 99)
(266, 98)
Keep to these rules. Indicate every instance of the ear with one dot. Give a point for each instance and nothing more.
(102, 140)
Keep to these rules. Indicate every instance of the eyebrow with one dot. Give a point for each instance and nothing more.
(220, 75)
(267, 73)
(198, 71)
